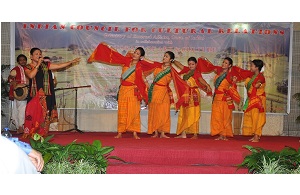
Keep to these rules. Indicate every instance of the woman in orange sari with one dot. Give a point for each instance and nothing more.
(255, 105)
(160, 97)
(132, 86)
(189, 115)
(224, 95)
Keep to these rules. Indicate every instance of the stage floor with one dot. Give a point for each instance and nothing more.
(161, 155)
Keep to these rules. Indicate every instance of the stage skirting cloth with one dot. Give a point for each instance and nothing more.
(106, 121)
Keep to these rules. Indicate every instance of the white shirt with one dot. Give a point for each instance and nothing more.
(13, 160)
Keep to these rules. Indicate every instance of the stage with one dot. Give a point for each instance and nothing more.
(176, 156)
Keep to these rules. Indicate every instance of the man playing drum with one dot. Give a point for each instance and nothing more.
(18, 93)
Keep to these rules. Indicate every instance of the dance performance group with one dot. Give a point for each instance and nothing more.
(41, 109)
(134, 88)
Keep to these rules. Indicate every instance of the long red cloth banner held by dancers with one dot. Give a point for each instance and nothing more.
(242, 42)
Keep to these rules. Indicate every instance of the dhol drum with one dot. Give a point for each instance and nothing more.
(21, 92)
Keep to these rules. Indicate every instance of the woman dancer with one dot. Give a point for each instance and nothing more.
(133, 88)
(189, 115)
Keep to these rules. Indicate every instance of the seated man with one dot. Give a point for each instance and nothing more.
(17, 157)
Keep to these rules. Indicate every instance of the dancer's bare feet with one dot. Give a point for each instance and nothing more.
(222, 137)
(182, 135)
(256, 138)
(135, 136)
(195, 136)
(162, 135)
(119, 135)
(155, 134)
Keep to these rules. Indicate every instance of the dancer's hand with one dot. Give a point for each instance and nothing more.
(234, 79)
(258, 85)
(76, 60)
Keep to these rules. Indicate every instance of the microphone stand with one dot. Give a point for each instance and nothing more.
(75, 124)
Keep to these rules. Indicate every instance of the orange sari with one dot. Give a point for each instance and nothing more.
(189, 116)
(159, 107)
(255, 110)
(224, 97)
(129, 106)
(132, 88)
(221, 113)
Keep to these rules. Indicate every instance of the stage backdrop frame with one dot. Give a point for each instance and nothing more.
(141, 34)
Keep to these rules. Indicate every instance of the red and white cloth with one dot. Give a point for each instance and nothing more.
(19, 78)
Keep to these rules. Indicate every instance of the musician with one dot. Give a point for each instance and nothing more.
(18, 92)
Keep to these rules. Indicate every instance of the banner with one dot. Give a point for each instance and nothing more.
(242, 42)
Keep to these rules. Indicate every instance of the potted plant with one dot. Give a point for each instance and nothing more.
(260, 160)
(73, 158)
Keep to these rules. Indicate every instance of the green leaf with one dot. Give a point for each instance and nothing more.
(116, 158)
(48, 138)
(47, 157)
(250, 148)
(32, 143)
(97, 144)
(288, 151)
(106, 150)
(53, 148)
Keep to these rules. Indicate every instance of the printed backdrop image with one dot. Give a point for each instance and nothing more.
(242, 42)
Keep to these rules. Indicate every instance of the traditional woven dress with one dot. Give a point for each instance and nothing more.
(132, 87)
(42, 86)
(190, 112)
(255, 106)
(160, 99)
(224, 96)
